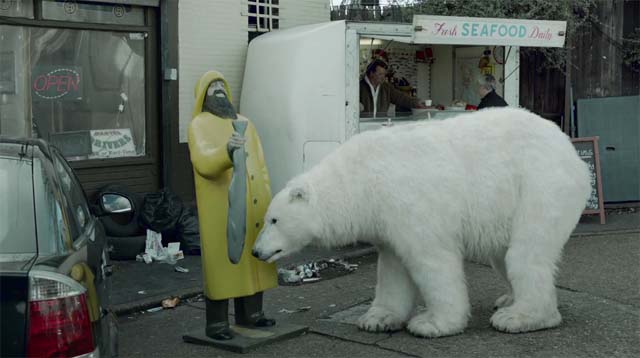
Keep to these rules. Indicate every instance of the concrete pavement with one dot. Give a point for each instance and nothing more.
(598, 292)
(137, 286)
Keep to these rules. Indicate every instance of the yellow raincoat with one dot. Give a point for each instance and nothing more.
(212, 168)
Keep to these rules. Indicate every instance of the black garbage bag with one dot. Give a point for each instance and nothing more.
(161, 212)
(188, 231)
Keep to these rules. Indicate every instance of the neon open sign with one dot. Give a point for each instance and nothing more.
(57, 83)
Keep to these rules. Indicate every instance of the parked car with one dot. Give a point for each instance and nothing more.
(54, 268)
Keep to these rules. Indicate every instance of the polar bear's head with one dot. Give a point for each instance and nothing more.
(290, 224)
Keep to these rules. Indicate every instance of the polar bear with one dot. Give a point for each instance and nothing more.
(502, 185)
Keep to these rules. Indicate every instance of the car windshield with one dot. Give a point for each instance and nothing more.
(17, 227)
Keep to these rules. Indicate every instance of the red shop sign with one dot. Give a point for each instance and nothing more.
(57, 83)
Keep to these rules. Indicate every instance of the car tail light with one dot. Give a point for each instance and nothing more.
(59, 324)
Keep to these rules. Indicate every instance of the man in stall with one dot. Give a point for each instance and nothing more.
(376, 94)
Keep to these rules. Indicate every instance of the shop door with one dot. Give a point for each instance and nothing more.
(616, 120)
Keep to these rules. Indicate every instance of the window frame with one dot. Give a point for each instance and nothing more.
(151, 63)
(268, 16)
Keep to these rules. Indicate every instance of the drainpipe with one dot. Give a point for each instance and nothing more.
(568, 95)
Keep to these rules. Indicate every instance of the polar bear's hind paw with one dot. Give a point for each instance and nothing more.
(510, 320)
(425, 325)
(380, 320)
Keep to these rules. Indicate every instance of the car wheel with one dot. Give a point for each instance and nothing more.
(126, 248)
(126, 224)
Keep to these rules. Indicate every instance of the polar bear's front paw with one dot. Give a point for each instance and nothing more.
(379, 319)
(505, 300)
(427, 325)
(513, 320)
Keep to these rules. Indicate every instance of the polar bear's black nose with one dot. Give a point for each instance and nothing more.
(255, 253)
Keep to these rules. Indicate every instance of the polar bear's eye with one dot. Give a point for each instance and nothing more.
(274, 221)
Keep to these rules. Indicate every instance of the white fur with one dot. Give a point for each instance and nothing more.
(502, 185)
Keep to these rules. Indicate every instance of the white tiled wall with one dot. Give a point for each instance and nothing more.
(213, 36)
(302, 12)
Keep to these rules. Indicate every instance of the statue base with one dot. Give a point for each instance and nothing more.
(246, 339)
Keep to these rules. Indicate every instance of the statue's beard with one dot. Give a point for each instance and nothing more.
(219, 105)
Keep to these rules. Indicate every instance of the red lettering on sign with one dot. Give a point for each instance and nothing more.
(40, 83)
(536, 33)
(73, 82)
(51, 81)
(441, 30)
(61, 83)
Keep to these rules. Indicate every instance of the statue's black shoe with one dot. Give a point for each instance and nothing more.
(265, 322)
(219, 333)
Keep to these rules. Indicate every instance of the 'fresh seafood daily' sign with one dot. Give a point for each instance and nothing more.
(488, 31)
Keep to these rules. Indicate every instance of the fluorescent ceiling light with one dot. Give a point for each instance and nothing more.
(370, 42)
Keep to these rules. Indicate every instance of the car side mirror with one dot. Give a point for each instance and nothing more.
(110, 203)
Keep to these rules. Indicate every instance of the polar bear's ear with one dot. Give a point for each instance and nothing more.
(299, 193)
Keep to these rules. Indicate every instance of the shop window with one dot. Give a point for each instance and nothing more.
(16, 8)
(408, 71)
(263, 15)
(82, 90)
(79, 11)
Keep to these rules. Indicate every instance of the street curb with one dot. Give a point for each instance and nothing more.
(606, 232)
(154, 301)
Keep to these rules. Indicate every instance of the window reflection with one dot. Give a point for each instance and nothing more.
(114, 203)
(17, 234)
(50, 222)
(72, 191)
(16, 8)
(82, 90)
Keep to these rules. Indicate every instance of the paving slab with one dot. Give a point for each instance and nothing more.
(603, 265)
(159, 334)
(592, 327)
(597, 298)
(138, 286)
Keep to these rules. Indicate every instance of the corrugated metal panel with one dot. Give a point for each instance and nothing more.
(212, 36)
(295, 12)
